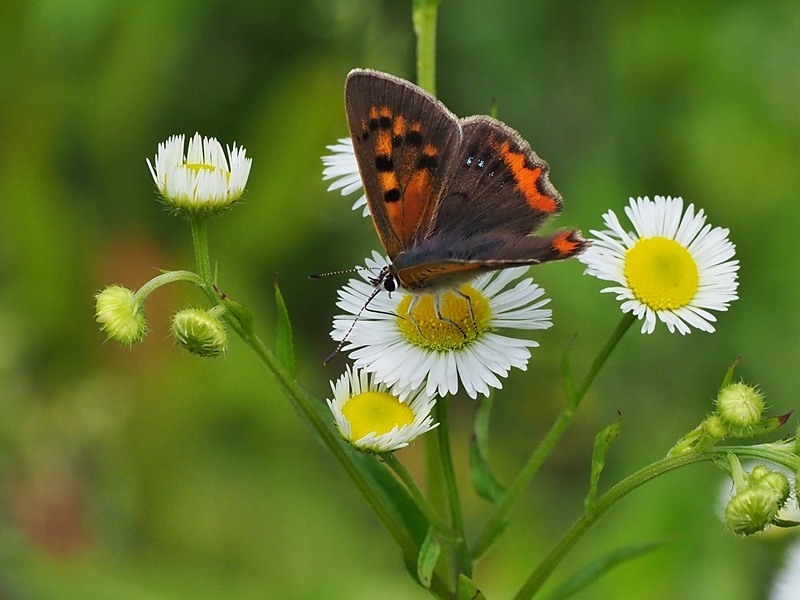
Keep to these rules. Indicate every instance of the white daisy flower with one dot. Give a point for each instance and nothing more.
(343, 168)
(203, 181)
(674, 267)
(407, 351)
(374, 420)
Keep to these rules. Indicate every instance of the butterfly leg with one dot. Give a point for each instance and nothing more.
(438, 309)
(471, 312)
(410, 312)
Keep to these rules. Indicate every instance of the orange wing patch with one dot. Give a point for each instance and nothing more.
(568, 243)
(526, 178)
(399, 127)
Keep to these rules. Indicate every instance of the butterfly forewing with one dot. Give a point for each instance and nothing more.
(405, 142)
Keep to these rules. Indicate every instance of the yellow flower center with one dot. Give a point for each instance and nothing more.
(375, 412)
(423, 328)
(206, 167)
(661, 273)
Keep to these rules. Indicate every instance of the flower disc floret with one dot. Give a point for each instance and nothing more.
(374, 420)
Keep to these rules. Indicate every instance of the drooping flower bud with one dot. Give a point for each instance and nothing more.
(751, 510)
(120, 314)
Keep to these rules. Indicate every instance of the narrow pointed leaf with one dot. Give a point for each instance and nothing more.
(394, 496)
(237, 310)
(728, 379)
(602, 444)
(428, 557)
(766, 425)
(785, 524)
(597, 568)
(284, 347)
(483, 479)
(466, 589)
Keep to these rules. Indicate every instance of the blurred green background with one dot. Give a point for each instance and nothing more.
(147, 473)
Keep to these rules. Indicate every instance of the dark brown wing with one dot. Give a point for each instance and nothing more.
(497, 196)
(500, 185)
(405, 142)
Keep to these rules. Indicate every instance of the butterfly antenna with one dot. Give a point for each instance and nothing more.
(336, 350)
(341, 272)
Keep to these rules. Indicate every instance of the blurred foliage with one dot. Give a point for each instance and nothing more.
(147, 473)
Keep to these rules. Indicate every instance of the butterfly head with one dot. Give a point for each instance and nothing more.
(386, 279)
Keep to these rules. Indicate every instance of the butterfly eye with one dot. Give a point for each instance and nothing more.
(389, 283)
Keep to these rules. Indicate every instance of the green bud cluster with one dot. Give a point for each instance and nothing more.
(758, 498)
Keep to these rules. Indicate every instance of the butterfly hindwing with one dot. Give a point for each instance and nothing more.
(498, 195)
(499, 184)
(404, 141)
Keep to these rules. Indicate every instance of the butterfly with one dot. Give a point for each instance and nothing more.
(450, 198)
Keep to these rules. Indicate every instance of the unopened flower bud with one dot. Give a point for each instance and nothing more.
(774, 481)
(203, 181)
(120, 314)
(740, 405)
(716, 427)
(751, 510)
(199, 332)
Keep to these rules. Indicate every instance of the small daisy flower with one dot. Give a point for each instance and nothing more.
(674, 267)
(203, 181)
(406, 351)
(374, 420)
(343, 168)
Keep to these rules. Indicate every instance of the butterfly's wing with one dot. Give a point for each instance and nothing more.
(498, 195)
(405, 141)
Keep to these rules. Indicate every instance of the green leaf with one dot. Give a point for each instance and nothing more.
(785, 524)
(242, 314)
(597, 568)
(466, 589)
(602, 444)
(766, 425)
(728, 379)
(483, 479)
(428, 557)
(284, 344)
(393, 495)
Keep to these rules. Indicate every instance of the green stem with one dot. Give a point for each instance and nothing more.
(622, 327)
(302, 402)
(497, 520)
(168, 277)
(622, 489)
(463, 560)
(423, 16)
(446, 533)
(200, 241)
